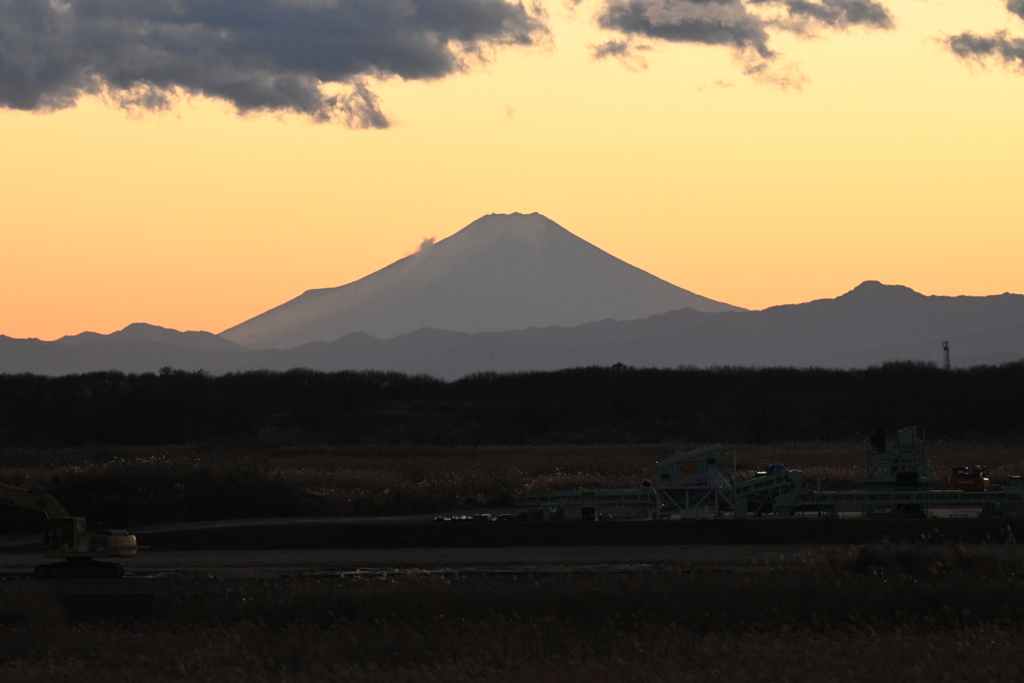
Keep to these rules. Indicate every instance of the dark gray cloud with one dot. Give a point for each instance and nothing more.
(999, 46)
(611, 48)
(743, 26)
(836, 14)
(256, 54)
(626, 51)
(711, 22)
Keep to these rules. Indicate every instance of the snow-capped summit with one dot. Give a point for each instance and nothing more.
(501, 272)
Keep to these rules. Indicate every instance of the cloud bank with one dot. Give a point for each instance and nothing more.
(269, 55)
(743, 26)
(999, 46)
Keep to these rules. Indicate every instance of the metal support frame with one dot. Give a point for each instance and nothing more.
(705, 502)
(690, 485)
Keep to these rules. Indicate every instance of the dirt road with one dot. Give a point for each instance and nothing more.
(270, 563)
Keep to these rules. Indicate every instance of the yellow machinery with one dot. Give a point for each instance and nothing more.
(66, 538)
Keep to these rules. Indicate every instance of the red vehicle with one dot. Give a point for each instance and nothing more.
(971, 479)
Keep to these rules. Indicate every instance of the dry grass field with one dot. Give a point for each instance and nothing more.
(879, 613)
(143, 485)
(885, 613)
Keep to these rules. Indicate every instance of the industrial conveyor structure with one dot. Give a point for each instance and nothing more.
(692, 484)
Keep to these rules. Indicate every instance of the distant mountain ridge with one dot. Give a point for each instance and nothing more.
(200, 341)
(501, 272)
(140, 347)
(870, 325)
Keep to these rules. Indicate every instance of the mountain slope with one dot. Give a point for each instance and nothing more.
(869, 325)
(501, 272)
(872, 324)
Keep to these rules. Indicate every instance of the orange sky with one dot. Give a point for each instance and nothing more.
(895, 161)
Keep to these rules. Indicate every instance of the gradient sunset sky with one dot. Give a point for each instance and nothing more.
(192, 163)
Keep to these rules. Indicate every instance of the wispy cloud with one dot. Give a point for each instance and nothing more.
(744, 27)
(717, 85)
(999, 47)
(838, 15)
(710, 22)
(628, 52)
(275, 55)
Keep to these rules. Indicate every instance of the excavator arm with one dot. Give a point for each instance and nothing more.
(32, 499)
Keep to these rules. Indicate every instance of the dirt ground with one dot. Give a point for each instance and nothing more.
(275, 548)
(269, 563)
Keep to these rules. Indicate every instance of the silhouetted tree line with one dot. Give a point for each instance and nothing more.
(585, 405)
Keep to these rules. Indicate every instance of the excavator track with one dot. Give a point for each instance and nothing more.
(79, 569)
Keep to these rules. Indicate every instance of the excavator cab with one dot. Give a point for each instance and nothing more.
(67, 538)
(60, 533)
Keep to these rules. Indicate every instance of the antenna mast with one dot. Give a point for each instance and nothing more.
(945, 355)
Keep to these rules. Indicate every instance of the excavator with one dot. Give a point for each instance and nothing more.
(66, 537)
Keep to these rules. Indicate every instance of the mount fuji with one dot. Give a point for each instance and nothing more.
(499, 273)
